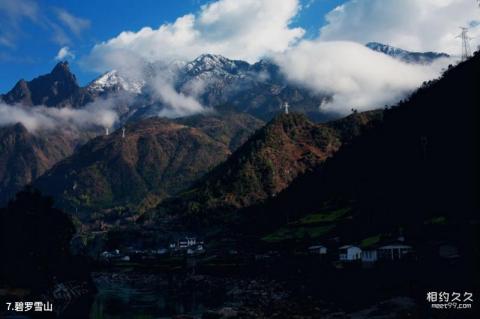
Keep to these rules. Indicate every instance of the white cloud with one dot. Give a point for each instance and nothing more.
(95, 115)
(421, 25)
(175, 104)
(75, 24)
(336, 63)
(354, 75)
(247, 30)
(64, 53)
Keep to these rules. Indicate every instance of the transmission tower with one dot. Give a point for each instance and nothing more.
(466, 52)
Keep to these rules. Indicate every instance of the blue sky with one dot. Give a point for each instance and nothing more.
(35, 43)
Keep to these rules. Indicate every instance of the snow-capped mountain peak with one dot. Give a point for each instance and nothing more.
(215, 63)
(112, 81)
(387, 49)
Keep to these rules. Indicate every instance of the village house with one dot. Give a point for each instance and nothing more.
(369, 255)
(317, 250)
(350, 253)
(394, 252)
(187, 242)
(187, 245)
(184, 243)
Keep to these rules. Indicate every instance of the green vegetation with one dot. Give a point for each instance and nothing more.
(372, 240)
(438, 220)
(324, 217)
(298, 233)
(312, 226)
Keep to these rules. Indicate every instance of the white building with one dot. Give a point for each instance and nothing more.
(394, 252)
(191, 241)
(350, 253)
(185, 243)
(317, 250)
(369, 256)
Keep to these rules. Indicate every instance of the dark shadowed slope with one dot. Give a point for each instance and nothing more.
(35, 240)
(419, 164)
(266, 164)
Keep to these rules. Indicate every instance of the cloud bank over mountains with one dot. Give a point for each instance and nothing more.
(245, 30)
(334, 62)
(355, 76)
(251, 29)
(98, 114)
(415, 25)
(176, 104)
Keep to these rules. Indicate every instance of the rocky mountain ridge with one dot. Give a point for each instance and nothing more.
(157, 157)
(406, 56)
(266, 164)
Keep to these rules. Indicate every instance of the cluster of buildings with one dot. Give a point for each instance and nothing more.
(185, 246)
(352, 253)
(188, 245)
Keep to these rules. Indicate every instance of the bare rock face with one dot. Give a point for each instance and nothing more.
(55, 89)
